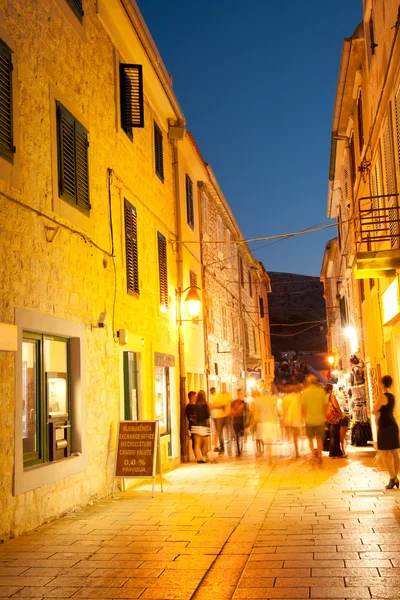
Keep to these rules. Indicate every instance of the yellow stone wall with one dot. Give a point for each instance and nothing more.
(73, 276)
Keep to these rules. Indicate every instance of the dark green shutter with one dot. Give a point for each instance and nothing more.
(360, 122)
(76, 6)
(131, 249)
(158, 151)
(189, 202)
(261, 303)
(131, 92)
(82, 168)
(162, 269)
(6, 125)
(66, 155)
(73, 167)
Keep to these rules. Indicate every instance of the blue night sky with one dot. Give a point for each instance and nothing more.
(256, 81)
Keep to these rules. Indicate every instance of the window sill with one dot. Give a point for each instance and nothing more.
(40, 475)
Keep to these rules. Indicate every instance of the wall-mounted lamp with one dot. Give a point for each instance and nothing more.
(331, 359)
(193, 303)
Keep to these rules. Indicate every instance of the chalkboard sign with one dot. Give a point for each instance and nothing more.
(138, 448)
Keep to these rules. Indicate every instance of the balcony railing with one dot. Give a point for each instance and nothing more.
(378, 223)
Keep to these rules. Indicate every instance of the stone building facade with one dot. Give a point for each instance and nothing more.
(238, 349)
(361, 267)
(99, 188)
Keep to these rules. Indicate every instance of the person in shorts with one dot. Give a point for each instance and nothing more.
(314, 403)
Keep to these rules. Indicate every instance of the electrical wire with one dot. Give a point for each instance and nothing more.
(260, 239)
(293, 334)
(295, 324)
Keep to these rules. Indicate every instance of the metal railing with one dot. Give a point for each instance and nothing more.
(378, 223)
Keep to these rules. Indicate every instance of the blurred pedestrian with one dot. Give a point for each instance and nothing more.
(333, 416)
(314, 402)
(201, 429)
(190, 412)
(238, 412)
(293, 419)
(388, 432)
(218, 409)
(345, 420)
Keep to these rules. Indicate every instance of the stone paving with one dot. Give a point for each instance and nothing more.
(240, 528)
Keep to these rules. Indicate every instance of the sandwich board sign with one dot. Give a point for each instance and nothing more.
(138, 451)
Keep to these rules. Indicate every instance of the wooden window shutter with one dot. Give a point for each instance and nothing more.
(246, 337)
(162, 270)
(6, 123)
(189, 202)
(73, 165)
(261, 303)
(397, 118)
(82, 168)
(390, 182)
(158, 151)
(76, 6)
(131, 91)
(131, 249)
(250, 285)
(352, 159)
(360, 122)
(241, 271)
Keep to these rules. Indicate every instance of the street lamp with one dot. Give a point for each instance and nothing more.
(193, 303)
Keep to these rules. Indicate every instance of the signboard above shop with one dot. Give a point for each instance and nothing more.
(390, 302)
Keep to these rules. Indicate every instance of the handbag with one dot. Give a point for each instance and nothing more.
(333, 416)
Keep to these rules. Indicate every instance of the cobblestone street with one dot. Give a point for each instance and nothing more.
(236, 529)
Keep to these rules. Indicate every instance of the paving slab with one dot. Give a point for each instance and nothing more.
(239, 528)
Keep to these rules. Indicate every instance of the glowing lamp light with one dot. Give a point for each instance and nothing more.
(163, 308)
(331, 359)
(351, 335)
(250, 384)
(193, 303)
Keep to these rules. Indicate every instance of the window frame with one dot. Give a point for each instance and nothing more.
(250, 284)
(41, 402)
(25, 480)
(131, 96)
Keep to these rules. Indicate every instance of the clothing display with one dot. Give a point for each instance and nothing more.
(361, 432)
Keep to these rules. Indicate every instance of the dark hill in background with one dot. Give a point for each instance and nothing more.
(296, 299)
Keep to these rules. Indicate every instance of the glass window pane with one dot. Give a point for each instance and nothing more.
(162, 401)
(56, 369)
(55, 356)
(131, 386)
(30, 390)
(57, 396)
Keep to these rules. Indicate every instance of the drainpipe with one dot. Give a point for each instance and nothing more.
(184, 438)
(200, 186)
(241, 319)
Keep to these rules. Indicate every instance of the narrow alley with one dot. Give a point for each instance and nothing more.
(239, 528)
